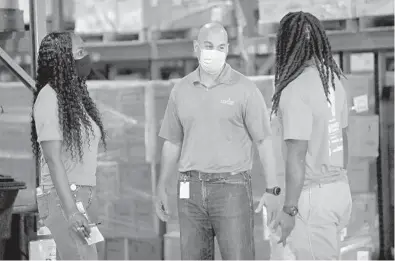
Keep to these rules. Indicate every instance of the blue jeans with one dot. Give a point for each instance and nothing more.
(218, 206)
(69, 245)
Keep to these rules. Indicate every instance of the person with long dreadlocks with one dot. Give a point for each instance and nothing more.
(311, 106)
(66, 130)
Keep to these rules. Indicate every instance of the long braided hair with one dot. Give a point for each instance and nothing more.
(301, 39)
(56, 67)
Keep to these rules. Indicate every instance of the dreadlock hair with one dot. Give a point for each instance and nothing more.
(56, 67)
(301, 38)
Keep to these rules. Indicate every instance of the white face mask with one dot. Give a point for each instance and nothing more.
(212, 61)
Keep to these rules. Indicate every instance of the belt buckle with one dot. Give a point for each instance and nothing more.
(73, 187)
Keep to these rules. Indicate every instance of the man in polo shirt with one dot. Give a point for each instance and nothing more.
(213, 117)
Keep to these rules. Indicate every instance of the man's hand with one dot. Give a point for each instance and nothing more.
(161, 204)
(287, 224)
(272, 204)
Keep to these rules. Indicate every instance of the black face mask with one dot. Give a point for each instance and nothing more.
(84, 66)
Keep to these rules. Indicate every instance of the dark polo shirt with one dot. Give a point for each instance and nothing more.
(216, 126)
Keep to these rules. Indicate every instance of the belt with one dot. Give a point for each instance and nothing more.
(204, 176)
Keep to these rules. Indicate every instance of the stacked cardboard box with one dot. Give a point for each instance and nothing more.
(374, 7)
(128, 211)
(271, 11)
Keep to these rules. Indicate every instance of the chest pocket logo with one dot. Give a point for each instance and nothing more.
(228, 102)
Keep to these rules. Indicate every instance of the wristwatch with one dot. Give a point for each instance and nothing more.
(291, 210)
(275, 191)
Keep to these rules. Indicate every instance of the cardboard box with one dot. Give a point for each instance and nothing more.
(363, 136)
(44, 249)
(271, 11)
(374, 7)
(108, 180)
(359, 175)
(357, 86)
(364, 216)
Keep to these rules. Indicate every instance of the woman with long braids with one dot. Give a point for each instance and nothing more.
(311, 106)
(66, 132)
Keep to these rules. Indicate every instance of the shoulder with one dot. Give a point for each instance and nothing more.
(46, 94)
(297, 90)
(46, 100)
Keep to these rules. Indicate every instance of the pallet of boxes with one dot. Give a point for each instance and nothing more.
(360, 238)
(126, 172)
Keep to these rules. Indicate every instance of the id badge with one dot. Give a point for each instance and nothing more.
(184, 189)
(80, 207)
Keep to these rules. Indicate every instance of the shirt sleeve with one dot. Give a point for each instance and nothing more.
(171, 128)
(46, 118)
(256, 116)
(296, 115)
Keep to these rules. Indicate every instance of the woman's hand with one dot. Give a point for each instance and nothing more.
(80, 224)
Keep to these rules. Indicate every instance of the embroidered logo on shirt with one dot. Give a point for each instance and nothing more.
(228, 102)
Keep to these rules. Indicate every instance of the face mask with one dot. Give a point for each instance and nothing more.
(84, 66)
(212, 61)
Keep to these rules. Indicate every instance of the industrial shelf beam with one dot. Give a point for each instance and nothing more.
(362, 41)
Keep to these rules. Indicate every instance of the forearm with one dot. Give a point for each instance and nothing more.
(170, 156)
(61, 183)
(266, 155)
(294, 178)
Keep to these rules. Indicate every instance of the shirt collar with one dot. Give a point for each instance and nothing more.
(227, 76)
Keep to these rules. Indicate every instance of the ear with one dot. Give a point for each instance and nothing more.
(195, 45)
(227, 48)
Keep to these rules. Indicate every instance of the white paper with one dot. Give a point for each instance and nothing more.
(95, 235)
(184, 190)
(361, 103)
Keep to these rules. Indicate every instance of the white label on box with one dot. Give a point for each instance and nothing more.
(361, 103)
(364, 136)
(363, 255)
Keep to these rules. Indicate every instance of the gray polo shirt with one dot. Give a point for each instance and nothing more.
(216, 126)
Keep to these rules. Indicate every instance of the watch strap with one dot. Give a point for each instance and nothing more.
(274, 191)
(291, 210)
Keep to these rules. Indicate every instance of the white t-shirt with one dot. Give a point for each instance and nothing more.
(48, 129)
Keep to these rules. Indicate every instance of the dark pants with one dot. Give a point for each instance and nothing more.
(219, 206)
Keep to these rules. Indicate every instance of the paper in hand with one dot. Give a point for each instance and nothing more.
(95, 236)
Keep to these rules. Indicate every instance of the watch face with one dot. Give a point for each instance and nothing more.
(276, 191)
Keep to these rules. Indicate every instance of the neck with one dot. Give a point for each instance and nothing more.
(208, 78)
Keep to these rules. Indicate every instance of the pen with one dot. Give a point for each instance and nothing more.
(95, 224)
